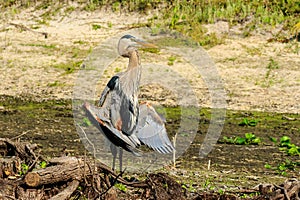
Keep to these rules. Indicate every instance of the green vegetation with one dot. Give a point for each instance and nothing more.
(96, 26)
(43, 164)
(270, 77)
(24, 169)
(248, 122)
(171, 60)
(46, 46)
(185, 16)
(284, 167)
(121, 187)
(55, 84)
(249, 138)
(288, 147)
(69, 67)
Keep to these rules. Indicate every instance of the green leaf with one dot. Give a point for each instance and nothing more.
(240, 140)
(274, 140)
(256, 141)
(293, 151)
(249, 136)
(121, 187)
(267, 166)
(244, 122)
(285, 140)
(282, 167)
(43, 164)
(252, 122)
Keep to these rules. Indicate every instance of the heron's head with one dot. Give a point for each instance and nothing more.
(129, 43)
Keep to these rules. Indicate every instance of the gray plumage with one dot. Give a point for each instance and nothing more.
(118, 114)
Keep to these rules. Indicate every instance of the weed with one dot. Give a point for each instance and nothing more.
(55, 84)
(68, 67)
(24, 169)
(121, 187)
(189, 186)
(272, 65)
(290, 148)
(96, 26)
(171, 60)
(43, 164)
(116, 6)
(43, 22)
(284, 167)
(221, 192)
(247, 122)
(270, 77)
(249, 138)
(46, 46)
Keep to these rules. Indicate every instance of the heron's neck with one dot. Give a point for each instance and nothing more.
(134, 59)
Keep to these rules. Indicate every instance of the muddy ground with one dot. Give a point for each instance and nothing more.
(50, 124)
(37, 84)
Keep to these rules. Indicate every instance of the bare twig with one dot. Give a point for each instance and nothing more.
(24, 28)
(18, 136)
(284, 191)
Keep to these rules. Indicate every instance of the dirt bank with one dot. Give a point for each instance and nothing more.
(257, 75)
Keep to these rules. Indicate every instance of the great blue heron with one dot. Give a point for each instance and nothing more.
(118, 114)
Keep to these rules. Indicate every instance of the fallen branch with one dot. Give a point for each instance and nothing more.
(69, 170)
(24, 28)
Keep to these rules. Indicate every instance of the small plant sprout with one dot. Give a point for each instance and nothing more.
(247, 122)
(96, 26)
(284, 167)
(249, 138)
(171, 60)
(24, 169)
(121, 187)
(290, 148)
(43, 164)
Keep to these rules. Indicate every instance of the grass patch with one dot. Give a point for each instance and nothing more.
(69, 67)
(96, 26)
(55, 84)
(46, 46)
(249, 138)
(186, 16)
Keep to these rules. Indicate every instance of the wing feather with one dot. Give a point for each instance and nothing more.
(120, 98)
(151, 130)
(100, 120)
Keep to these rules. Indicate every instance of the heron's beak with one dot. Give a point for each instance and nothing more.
(141, 44)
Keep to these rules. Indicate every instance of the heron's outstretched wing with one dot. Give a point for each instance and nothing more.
(98, 117)
(120, 98)
(151, 130)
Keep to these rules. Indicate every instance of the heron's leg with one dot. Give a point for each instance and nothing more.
(121, 158)
(114, 152)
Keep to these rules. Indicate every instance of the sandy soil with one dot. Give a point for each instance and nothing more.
(257, 75)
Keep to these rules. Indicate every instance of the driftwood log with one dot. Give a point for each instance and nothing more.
(70, 168)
